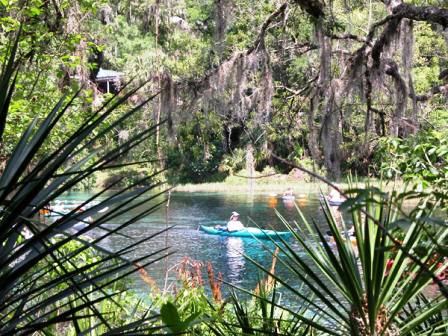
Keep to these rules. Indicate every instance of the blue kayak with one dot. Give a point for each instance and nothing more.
(247, 232)
(289, 197)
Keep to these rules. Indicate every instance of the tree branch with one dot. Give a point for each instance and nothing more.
(348, 37)
(265, 26)
(432, 92)
(313, 7)
(423, 13)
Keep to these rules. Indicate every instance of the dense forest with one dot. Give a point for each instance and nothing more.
(337, 87)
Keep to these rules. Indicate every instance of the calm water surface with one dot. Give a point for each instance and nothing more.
(187, 211)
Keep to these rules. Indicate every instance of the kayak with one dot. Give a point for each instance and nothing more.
(332, 202)
(247, 232)
(292, 197)
(336, 202)
(352, 240)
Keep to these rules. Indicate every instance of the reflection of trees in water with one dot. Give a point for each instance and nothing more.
(235, 258)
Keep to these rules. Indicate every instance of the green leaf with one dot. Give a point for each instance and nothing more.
(189, 320)
(171, 318)
(347, 204)
(34, 11)
(421, 251)
(434, 171)
(433, 220)
(402, 223)
(385, 248)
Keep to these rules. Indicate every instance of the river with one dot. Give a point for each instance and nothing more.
(187, 211)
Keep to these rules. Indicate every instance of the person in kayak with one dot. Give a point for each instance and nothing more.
(288, 192)
(234, 224)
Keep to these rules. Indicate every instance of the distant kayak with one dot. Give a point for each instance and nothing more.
(247, 232)
(292, 197)
(332, 202)
(352, 240)
(336, 202)
(61, 208)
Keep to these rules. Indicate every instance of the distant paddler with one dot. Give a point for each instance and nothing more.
(58, 208)
(289, 194)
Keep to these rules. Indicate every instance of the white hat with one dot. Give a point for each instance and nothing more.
(234, 213)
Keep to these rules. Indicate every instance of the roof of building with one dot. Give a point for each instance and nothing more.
(104, 74)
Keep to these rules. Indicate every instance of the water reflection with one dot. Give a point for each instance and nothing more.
(273, 202)
(235, 258)
(302, 200)
(289, 204)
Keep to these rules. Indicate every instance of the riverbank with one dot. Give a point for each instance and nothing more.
(261, 183)
(276, 183)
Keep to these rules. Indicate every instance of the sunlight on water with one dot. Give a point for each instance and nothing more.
(188, 211)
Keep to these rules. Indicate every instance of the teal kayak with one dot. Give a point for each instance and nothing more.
(247, 232)
(289, 197)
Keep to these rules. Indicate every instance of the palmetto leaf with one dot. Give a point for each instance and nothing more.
(372, 281)
(30, 299)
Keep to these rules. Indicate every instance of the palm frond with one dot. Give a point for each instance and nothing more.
(43, 281)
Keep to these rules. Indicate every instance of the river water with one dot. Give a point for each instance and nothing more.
(187, 211)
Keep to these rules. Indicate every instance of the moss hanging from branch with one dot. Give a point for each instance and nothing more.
(240, 88)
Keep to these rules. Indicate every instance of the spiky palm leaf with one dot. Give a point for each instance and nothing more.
(355, 291)
(30, 299)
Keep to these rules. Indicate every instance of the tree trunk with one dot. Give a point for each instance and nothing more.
(330, 132)
(159, 78)
(250, 166)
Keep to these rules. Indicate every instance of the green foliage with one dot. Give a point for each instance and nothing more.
(127, 311)
(368, 289)
(421, 160)
(46, 280)
(171, 318)
(231, 163)
(128, 176)
(60, 37)
(189, 309)
(197, 152)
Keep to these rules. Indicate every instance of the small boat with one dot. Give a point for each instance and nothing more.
(289, 197)
(336, 202)
(247, 232)
(352, 240)
(59, 209)
(332, 202)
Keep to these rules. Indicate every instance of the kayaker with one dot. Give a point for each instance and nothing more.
(289, 192)
(234, 224)
(335, 196)
(58, 208)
